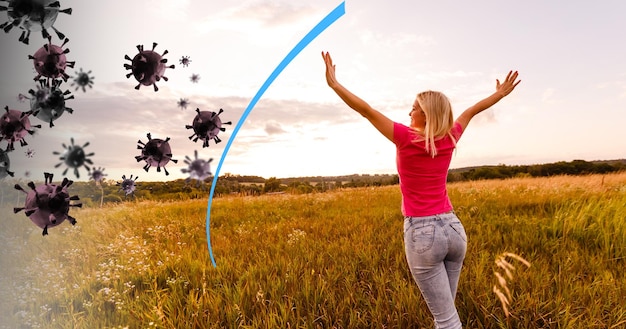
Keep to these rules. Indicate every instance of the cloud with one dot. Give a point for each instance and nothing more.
(273, 127)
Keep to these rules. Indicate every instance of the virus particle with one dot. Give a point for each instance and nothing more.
(195, 78)
(50, 61)
(21, 98)
(147, 66)
(198, 169)
(185, 61)
(27, 173)
(14, 125)
(97, 174)
(74, 157)
(127, 185)
(206, 125)
(156, 152)
(182, 103)
(32, 16)
(48, 205)
(48, 102)
(30, 153)
(5, 165)
(82, 80)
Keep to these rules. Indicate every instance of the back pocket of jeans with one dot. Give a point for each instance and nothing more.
(458, 228)
(423, 238)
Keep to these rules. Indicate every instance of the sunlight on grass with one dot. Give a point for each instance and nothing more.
(325, 260)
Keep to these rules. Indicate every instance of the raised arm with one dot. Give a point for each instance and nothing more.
(381, 122)
(502, 89)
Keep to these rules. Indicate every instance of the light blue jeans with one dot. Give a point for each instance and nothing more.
(435, 247)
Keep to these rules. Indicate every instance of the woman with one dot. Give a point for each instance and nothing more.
(434, 238)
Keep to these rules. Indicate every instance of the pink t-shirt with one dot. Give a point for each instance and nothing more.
(422, 177)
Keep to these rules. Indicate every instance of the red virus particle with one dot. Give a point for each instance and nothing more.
(182, 103)
(5, 165)
(48, 102)
(48, 205)
(97, 174)
(30, 153)
(127, 185)
(14, 125)
(156, 152)
(50, 61)
(32, 16)
(206, 125)
(195, 78)
(82, 80)
(147, 66)
(74, 156)
(185, 61)
(198, 169)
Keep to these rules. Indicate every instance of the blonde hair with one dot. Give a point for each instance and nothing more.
(439, 119)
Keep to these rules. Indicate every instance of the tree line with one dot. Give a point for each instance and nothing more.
(107, 191)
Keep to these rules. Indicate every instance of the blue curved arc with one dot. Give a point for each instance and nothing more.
(319, 28)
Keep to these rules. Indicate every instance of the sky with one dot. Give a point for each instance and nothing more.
(569, 54)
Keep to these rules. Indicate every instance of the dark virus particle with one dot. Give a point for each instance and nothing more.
(198, 169)
(74, 157)
(5, 165)
(127, 185)
(27, 173)
(82, 80)
(48, 102)
(32, 16)
(48, 205)
(156, 152)
(185, 61)
(147, 66)
(206, 125)
(97, 174)
(182, 103)
(50, 61)
(30, 153)
(195, 78)
(21, 98)
(14, 125)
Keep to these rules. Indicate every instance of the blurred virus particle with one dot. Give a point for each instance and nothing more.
(14, 125)
(21, 98)
(185, 61)
(195, 78)
(206, 125)
(30, 153)
(74, 157)
(198, 169)
(182, 103)
(82, 80)
(156, 152)
(50, 61)
(97, 174)
(5, 165)
(147, 66)
(27, 173)
(127, 185)
(32, 16)
(48, 102)
(48, 205)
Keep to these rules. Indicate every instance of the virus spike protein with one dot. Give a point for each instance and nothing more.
(156, 152)
(206, 125)
(31, 16)
(14, 125)
(147, 67)
(74, 157)
(50, 61)
(48, 205)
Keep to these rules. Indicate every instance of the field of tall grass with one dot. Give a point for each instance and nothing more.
(326, 260)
